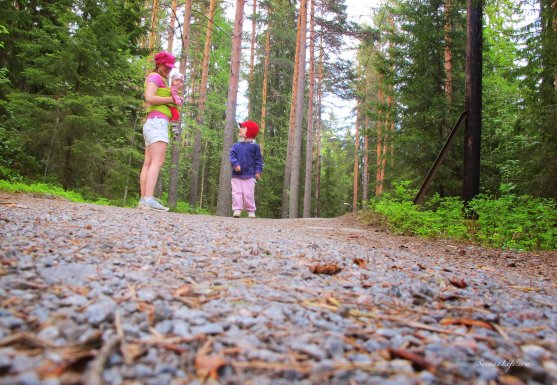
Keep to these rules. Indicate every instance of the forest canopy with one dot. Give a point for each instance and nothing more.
(71, 108)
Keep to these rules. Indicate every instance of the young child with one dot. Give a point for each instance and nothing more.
(176, 89)
(247, 165)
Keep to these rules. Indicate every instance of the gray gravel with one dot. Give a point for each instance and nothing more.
(94, 294)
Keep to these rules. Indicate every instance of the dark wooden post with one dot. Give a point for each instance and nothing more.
(472, 135)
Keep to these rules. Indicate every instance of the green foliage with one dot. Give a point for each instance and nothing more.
(184, 207)
(515, 222)
(67, 113)
(509, 222)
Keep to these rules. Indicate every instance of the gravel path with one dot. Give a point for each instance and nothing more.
(92, 294)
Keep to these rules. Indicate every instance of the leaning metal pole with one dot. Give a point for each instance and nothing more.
(431, 174)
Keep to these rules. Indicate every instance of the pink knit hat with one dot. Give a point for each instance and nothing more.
(165, 58)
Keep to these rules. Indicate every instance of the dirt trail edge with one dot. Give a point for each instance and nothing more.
(105, 295)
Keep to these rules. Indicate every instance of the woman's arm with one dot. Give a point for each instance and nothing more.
(152, 98)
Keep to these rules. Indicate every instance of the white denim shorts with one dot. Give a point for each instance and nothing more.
(155, 130)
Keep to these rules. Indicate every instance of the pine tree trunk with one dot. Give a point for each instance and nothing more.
(171, 25)
(472, 134)
(143, 40)
(356, 162)
(196, 154)
(224, 199)
(365, 166)
(310, 118)
(379, 148)
(186, 38)
(448, 54)
(297, 144)
(153, 28)
(252, 52)
(177, 138)
(265, 89)
(320, 75)
(291, 129)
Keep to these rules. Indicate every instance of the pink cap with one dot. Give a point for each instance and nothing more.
(165, 58)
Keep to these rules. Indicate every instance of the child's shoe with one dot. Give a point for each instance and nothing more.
(251, 214)
(237, 214)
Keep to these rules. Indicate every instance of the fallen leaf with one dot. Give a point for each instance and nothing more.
(333, 301)
(510, 380)
(207, 366)
(466, 322)
(449, 297)
(460, 283)
(182, 290)
(359, 262)
(418, 362)
(330, 269)
(131, 352)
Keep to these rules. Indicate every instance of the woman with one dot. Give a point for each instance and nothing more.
(155, 131)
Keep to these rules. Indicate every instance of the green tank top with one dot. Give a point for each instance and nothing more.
(165, 92)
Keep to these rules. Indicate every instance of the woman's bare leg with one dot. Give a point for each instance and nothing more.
(144, 170)
(157, 153)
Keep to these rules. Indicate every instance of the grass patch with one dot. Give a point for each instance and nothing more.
(54, 190)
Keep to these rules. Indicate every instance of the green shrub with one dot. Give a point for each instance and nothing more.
(508, 222)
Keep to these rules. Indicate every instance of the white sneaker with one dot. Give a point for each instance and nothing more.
(153, 204)
(251, 214)
(237, 214)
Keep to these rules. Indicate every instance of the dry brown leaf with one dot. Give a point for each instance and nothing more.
(207, 366)
(449, 297)
(131, 352)
(333, 301)
(182, 290)
(510, 380)
(460, 283)
(360, 262)
(329, 269)
(418, 362)
(466, 322)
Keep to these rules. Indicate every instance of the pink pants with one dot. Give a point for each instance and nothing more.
(243, 194)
